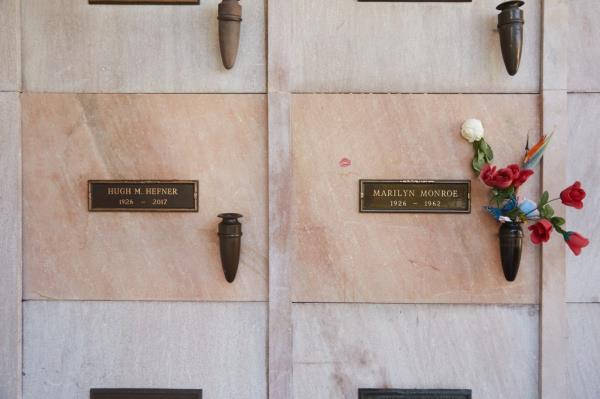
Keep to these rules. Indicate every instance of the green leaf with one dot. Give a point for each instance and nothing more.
(487, 150)
(558, 221)
(480, 156)
(544, 199)
(549, 211)
(477, 164)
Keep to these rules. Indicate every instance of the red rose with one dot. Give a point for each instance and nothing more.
(503, 178)
(522, 177)
(540, 232)
(488, 174)
(576, 241)
(573, 196)
(515, 169)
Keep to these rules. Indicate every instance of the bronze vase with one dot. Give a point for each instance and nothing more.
(511, 247)
(230, 20)
(230, 240)
(510, 26)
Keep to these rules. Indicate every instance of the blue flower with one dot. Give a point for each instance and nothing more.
(529, 208)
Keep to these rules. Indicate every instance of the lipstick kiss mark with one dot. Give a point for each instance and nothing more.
(345, 162)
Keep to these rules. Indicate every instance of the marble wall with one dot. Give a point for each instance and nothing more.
(71, 347)
(69, 45)
(348, 46)
(10, 60)
(489, 349)
(584, 350)
(433, 311)
(10, 246)
(583, 272)
(584, 52)
(70, 253)
(582, 152)
(340, 255)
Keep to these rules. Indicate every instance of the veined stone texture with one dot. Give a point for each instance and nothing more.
(583, 271)
(72, 46)
(10, 246)
(341, 255)
(10, 78)
(349, 46)
(71, 347)
(584, 351)
(70, 253)
(339, 348)
(584, 52)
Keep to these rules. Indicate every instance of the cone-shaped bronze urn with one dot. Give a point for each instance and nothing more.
(230, 20)
(230, 240)
(510, 26)
(511, 246)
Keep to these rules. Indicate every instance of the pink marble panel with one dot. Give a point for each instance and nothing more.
(70, 253)
(341, 255)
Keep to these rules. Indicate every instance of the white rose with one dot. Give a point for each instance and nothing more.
(472, 130)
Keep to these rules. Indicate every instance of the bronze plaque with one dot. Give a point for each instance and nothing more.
(415, 196)
(415, 1)
(144, 1)
(145, 393)
(414, 394)
(143, 196)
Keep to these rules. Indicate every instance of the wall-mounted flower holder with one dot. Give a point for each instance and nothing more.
(230, 240)
(510, 26)
(230, 21)
(511, 247)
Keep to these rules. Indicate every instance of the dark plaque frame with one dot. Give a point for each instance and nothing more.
(101, 203)
(415, 1)
(146, 2)
(135, 393)
(364, 393)
(413, 208)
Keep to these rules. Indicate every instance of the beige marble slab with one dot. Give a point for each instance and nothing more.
(280, 199)
(339, 348)
(10, 246)
(70, 253)
(584, 351)
(349, 46)
(584, 52)
(73, 346)
(583, 272)
(10, 59)
(342, 255)
(71, 46)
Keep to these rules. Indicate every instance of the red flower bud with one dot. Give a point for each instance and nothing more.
(576, 241)
(540, 232)
(573, 195)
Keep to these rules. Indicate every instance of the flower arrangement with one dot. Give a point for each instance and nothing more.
(510, 209)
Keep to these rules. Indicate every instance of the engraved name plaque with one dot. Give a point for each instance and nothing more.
(415, 196)
(145, 394)
(143, 196)
(144, 2)
(415, 1)
(414, 394)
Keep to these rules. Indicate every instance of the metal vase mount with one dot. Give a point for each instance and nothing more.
(510, 26)
(230, 20)
(511, 246)
(230, 240)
